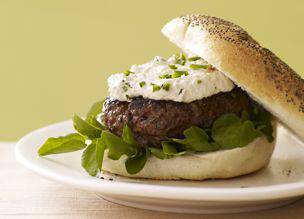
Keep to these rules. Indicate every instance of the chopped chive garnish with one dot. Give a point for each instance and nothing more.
(127, 96)
(172, 67)
(177, 74)
(180, 91)
(142, 83)
(181, 59)
(195, 66)
(125, 88)
(194, 58)
(128, 72)
(155, 87)
(165, 76)
(166, 86)
(199, 81)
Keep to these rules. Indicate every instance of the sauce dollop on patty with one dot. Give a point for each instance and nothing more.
(178, 78)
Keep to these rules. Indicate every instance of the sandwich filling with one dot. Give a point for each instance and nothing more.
(164, 108)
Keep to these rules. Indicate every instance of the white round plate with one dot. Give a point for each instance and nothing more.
(282, 182)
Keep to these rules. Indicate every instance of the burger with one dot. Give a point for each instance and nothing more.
(208, 112)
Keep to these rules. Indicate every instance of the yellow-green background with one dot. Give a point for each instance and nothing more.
(55, 55)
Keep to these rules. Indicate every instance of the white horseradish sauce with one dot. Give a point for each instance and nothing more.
(176, 78)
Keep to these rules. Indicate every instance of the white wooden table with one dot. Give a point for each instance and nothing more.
(26, 195)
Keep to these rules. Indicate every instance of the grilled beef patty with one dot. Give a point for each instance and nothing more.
(151, 121)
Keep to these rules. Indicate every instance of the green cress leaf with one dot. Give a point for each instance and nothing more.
(100, 148)
(245, 116)
(170, 149)
(89, 161)
(127, 136)
(95, 109)
(117, 147)
(85, 128)
(93, 121)
(262, 120)
(229, 131)
(180, 141)
(198, 140)
(62, 144)
(267, 130)
(135, 164)
(158, 153)
(260, 115)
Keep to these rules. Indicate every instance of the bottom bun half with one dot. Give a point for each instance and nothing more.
(198, 166)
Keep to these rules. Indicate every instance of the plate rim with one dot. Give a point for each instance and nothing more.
(260, 193)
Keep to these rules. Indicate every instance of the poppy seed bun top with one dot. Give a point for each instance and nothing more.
(265, 77)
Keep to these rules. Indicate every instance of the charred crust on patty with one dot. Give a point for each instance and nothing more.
(151, 121)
